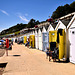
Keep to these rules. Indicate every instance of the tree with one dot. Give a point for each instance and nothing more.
(67, 9)
(37, 22)
(59, 11)
(72, 5)
(63, 10)
(31, 23)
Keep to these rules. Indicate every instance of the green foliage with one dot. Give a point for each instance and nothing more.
(19, 27)
(63, 10)
(13, 29)
(17, 32)
(72, 5)
(32, 23)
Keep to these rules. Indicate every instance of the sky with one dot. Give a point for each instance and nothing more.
(13, 12)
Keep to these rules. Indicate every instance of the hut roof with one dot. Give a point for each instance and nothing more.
(46, 26)
(66, 21)
(41, 29)
(67, 16)
(54, 24)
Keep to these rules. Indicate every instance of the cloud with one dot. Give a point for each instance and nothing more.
(23, 18)
(4, 12)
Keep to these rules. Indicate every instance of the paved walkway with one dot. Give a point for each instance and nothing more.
(33, 62)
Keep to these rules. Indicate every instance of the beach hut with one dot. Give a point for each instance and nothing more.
(45, 34)
(22, 39)
(28, 34)
(51, 28)
(45, 38)
(52, 35)
(14, 39)
(40, 38)
(36, 39)
(71, 41)
(62, 35)
(33, 32)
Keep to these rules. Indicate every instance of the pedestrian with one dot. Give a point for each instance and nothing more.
(7, 46)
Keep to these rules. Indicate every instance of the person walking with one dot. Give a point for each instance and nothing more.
(7, 46)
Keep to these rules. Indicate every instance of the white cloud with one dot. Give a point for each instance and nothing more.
(4, 12)
(23, 18)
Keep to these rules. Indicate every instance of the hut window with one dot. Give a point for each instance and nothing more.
(45, 34)
(73, 32)
(53, 34)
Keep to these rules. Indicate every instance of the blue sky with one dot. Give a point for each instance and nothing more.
(13, 12)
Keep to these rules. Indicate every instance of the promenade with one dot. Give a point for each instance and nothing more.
(25, 61)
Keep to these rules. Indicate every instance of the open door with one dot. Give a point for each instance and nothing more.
(61, 44)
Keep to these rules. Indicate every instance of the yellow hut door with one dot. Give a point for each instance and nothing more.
(25, 39)
(61, 44)
(52, 39)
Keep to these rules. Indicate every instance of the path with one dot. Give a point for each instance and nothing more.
(33, 62)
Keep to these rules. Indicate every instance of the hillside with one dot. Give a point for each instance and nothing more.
(19, 27)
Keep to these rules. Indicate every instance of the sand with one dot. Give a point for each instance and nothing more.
(33, 62)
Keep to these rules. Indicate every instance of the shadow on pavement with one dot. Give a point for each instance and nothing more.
(62, 61)
(16, 55)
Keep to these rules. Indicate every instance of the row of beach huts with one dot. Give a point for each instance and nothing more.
(59, 34)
